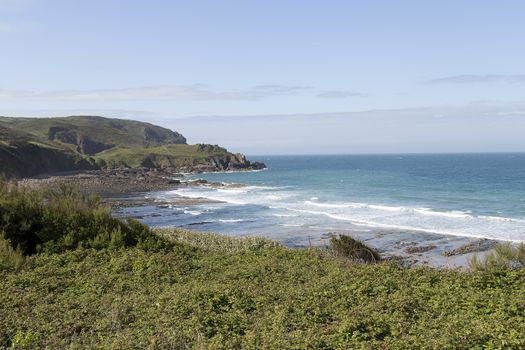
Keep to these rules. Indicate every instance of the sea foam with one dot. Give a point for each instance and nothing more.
(286, 202)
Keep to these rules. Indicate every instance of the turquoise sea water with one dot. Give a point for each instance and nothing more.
(473, 195)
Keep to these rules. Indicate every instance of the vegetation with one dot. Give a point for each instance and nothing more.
(174, 289)
(80, 132)
(168, 156)
(505, 256)
(348, 247)
(33, 146)
(214, 243)
(59, 218)
(22, 154)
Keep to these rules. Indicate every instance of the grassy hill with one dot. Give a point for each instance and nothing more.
(203, 157)
(31, 146)
(90, 135)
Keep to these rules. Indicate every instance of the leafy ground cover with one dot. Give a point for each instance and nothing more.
(186, 290)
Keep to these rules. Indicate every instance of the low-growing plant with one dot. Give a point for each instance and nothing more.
(348, 247)
(504, 256)
(272, 298)
(23, 340)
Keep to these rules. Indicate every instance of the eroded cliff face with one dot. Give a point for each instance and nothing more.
(84, 143)
(234, 162)
(228, 162)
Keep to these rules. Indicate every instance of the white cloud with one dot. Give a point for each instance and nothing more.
(195, 92)
(479, 78)
(110, 113)
(339, 94)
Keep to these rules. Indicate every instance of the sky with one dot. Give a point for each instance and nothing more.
(277, 77)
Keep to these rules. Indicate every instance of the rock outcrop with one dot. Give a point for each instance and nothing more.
(84, 143)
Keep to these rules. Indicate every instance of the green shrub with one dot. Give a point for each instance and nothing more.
(504, 256)
(58, 218)
(348, 247)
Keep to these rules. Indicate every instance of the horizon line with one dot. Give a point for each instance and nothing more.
(384, 154)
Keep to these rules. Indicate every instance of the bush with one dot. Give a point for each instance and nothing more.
(348, 247)
(58, 218)
(504, 256)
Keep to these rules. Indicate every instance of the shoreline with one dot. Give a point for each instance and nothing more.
(409, 247)
(121, 182)
(127, 188)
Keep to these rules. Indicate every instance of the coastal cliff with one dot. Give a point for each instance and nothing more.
(34, 146)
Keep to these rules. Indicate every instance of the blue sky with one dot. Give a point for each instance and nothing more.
(461, 61)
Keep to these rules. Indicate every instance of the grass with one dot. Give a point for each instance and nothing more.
(162, 156)
(123, 133)
(206, 291)
(214, 243)
(45, 145)
(505, 256)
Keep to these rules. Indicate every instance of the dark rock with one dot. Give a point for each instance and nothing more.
(479, 245)
(420, 249)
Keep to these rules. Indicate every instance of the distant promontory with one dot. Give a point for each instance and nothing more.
(35, 146)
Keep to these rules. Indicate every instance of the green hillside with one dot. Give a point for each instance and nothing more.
(32, 146)
(207, 157)
(90, 135)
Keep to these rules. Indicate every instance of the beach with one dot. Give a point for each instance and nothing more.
(414, 213)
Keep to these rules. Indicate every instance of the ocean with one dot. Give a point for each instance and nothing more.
(300, 199)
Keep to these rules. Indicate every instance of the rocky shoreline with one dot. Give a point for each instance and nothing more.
(108, 182)
(129, 187)
(119, 182)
